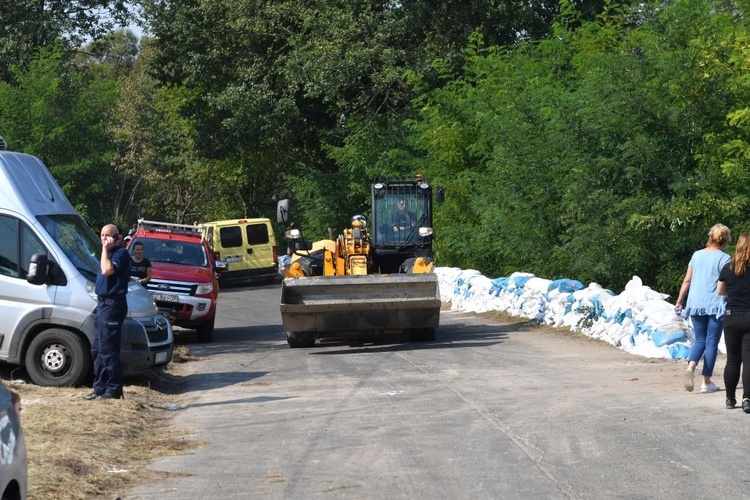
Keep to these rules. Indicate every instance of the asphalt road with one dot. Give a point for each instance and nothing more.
(487, 411)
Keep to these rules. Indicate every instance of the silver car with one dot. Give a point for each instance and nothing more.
(13, 472)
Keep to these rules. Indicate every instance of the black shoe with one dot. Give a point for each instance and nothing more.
(110, 396)
(89, 397)
(746, 405)
(731, 403)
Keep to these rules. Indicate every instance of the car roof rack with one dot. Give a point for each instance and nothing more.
(171, 228)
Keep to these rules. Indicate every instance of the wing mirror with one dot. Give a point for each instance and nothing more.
(282, 212)
(39, 269)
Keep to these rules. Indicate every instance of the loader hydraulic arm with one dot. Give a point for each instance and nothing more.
(351, 255)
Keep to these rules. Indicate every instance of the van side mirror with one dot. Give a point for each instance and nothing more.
(39, 269)
(282, 212)
(440, 194)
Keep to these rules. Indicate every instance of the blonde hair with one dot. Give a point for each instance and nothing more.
(741, 260)
(720, 235)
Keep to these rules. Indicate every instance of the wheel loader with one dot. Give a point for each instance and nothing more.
(366, 281)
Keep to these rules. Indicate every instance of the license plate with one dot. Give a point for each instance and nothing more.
(166, 297)
(161, 357)
(236, 258)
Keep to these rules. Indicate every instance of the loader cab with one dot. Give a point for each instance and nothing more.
(401, 222)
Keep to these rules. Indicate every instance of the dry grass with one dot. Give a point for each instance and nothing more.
(82, 449)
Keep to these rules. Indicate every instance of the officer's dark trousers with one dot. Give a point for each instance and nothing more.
(105, 351)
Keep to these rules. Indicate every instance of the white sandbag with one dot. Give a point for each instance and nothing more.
(537, 285)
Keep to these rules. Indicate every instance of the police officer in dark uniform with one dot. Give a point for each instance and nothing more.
(111, 309)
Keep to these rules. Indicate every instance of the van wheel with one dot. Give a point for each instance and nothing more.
(58, 358)
(300, 339)
(206, 330)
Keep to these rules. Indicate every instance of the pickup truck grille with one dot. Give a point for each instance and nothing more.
(168, 286)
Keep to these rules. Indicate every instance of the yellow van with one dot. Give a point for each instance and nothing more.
(247, 245)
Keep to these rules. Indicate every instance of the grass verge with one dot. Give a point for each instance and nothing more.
(81, 449)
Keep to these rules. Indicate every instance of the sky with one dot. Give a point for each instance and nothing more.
(136, 29)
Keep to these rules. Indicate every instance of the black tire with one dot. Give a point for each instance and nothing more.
(206, 330)
(421, 335)
(58, 358)
(300, 339)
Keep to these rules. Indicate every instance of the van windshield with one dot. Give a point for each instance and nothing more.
(77, 241)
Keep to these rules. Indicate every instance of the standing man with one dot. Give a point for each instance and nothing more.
(111, 309)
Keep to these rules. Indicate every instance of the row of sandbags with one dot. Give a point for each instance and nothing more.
(638, 320)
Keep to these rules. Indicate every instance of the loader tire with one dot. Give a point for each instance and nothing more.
(421, 334)
(300, 339)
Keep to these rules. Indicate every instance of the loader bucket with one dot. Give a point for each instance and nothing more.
(333, 306)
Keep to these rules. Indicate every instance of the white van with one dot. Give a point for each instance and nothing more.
(49, 258)
(247, 245)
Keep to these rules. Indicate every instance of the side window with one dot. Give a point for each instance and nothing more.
(17, 239)
(257, 234)
(30, 244)
(230, 237)
(9, 246)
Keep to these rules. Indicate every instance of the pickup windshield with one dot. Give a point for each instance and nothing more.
(176, 252)
(77, 241)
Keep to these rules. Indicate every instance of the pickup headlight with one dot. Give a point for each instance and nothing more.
(204, 288)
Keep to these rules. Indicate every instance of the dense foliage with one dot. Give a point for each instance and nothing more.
(589, 139)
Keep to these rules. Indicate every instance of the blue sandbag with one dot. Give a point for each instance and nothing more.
(520, 281)
(666, 338)
(499, 285)
(565, 285)
(678, 350)
(620, 315)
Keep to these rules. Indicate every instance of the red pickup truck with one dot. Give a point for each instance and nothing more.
(184, 279)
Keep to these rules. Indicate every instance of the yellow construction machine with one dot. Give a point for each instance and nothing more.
(365, 282)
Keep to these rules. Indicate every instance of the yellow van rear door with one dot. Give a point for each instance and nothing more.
(232, 247)
(260, 246)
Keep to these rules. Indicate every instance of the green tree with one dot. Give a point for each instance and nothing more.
(61, 115)
(29, 25)
(283, 87)
(587, 154)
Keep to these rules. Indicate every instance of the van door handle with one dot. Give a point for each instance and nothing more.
(249, 251)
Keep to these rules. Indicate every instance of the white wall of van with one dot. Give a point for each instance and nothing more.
(49, 258)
